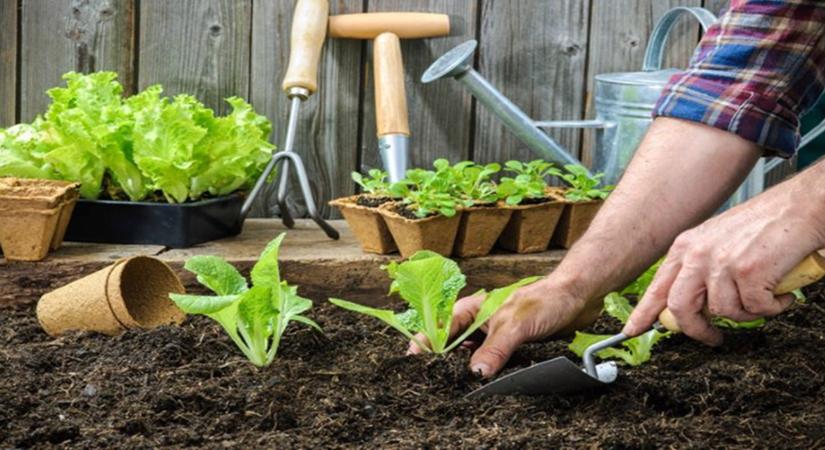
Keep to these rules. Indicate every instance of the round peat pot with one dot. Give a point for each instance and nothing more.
(132, 293)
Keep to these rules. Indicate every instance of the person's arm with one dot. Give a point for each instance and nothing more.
(730, 265)
(681, 173)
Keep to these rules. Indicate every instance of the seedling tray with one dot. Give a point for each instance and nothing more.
(171, 225)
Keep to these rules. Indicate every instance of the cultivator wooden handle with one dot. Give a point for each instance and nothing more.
(309, 28)
(390, 95)
(405, 25)
(809, 271)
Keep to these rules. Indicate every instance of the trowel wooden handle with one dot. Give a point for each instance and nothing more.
(405, 25)
(809, 271)
(390, 94)
(309, 29)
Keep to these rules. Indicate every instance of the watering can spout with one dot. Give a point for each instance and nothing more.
(456, 63)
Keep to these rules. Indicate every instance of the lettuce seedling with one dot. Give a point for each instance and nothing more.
(471, 183)
(430, 283)
(427, 192)
(636, 351)
(375, 183)
(583, 187)
(255, 318)
(530, 181)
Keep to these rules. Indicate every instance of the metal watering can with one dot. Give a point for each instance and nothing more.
(624, 102)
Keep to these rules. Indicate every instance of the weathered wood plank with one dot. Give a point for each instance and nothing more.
(440, 113)
(8, 62)
(197, 47)
(619, 32)
(327, 138)
(79, 35)
(322, 267)
(716, 6)
(534, 52)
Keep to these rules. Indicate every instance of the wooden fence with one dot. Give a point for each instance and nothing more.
(541, 53)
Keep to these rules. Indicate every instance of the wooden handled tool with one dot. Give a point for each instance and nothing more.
(405, 25)
(810, 270)
(390, 94)
(309, 31)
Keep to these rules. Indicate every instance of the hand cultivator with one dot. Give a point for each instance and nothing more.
(309, 27)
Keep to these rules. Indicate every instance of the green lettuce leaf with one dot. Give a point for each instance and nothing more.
(217, 274)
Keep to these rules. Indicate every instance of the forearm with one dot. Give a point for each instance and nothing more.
(681, 173)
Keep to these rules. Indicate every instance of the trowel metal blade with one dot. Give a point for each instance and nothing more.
(556, 376)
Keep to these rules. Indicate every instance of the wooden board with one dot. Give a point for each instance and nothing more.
(84, 36)
(322, 267)
(440, 113)
(8, 62)
(534, 52)
(619, 32)
(198, 47)
(327, 135)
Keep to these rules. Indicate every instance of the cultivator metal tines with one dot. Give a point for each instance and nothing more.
(309, 29)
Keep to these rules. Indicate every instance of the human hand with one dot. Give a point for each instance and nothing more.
(730, 266)
(534, 312)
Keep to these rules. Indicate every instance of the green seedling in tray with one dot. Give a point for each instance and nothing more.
(583, 187)
(430, 283)
(428, 192)
(530, 181)
(254, 317)
(375, 183)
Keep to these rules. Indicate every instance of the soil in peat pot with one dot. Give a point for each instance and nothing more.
(188, 386)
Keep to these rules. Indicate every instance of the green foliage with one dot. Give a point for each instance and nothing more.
(530, 181)
(472, 183)
(375, 183)
(430, 283)
(428, 192)
(141, 145)
(255, 318)
(583, 187)
(635, 351)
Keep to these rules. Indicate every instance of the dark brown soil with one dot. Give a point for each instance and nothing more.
(409, 213)
(371, 201)
(352, 388)
(535, 201)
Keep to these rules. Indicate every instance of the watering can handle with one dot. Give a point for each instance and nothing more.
(655, 52)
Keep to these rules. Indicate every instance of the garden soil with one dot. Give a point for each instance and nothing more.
(353, 387)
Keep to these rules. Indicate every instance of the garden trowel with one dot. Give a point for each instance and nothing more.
(561, 375)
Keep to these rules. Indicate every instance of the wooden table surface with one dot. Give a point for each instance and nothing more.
(321, 266)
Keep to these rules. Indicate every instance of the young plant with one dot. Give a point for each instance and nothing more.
(530, 181)
(472, 184)
(429, 283)
(583, 187)
(254, 317)
(427, 192)
(375, 183)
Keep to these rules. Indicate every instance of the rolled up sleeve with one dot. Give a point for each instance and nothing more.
(754, 73)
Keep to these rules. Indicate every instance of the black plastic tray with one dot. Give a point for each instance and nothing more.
(172, 225)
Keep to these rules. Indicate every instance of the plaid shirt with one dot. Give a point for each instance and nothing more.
(755, 72)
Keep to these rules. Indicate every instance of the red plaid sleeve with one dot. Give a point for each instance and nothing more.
(755, 72)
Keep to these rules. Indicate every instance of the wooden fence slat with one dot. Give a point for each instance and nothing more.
(327, 137)
(79, 35)
(716, 6)
(619, 32)
(440, 113)
(8, 61)
(198, 47)
(534, 52)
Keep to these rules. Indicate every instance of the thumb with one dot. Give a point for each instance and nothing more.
(491, 356)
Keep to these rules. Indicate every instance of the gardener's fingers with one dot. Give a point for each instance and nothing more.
(687, 303)
(464, 313)
(501, 342)
(654, 300)
(723, 298)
